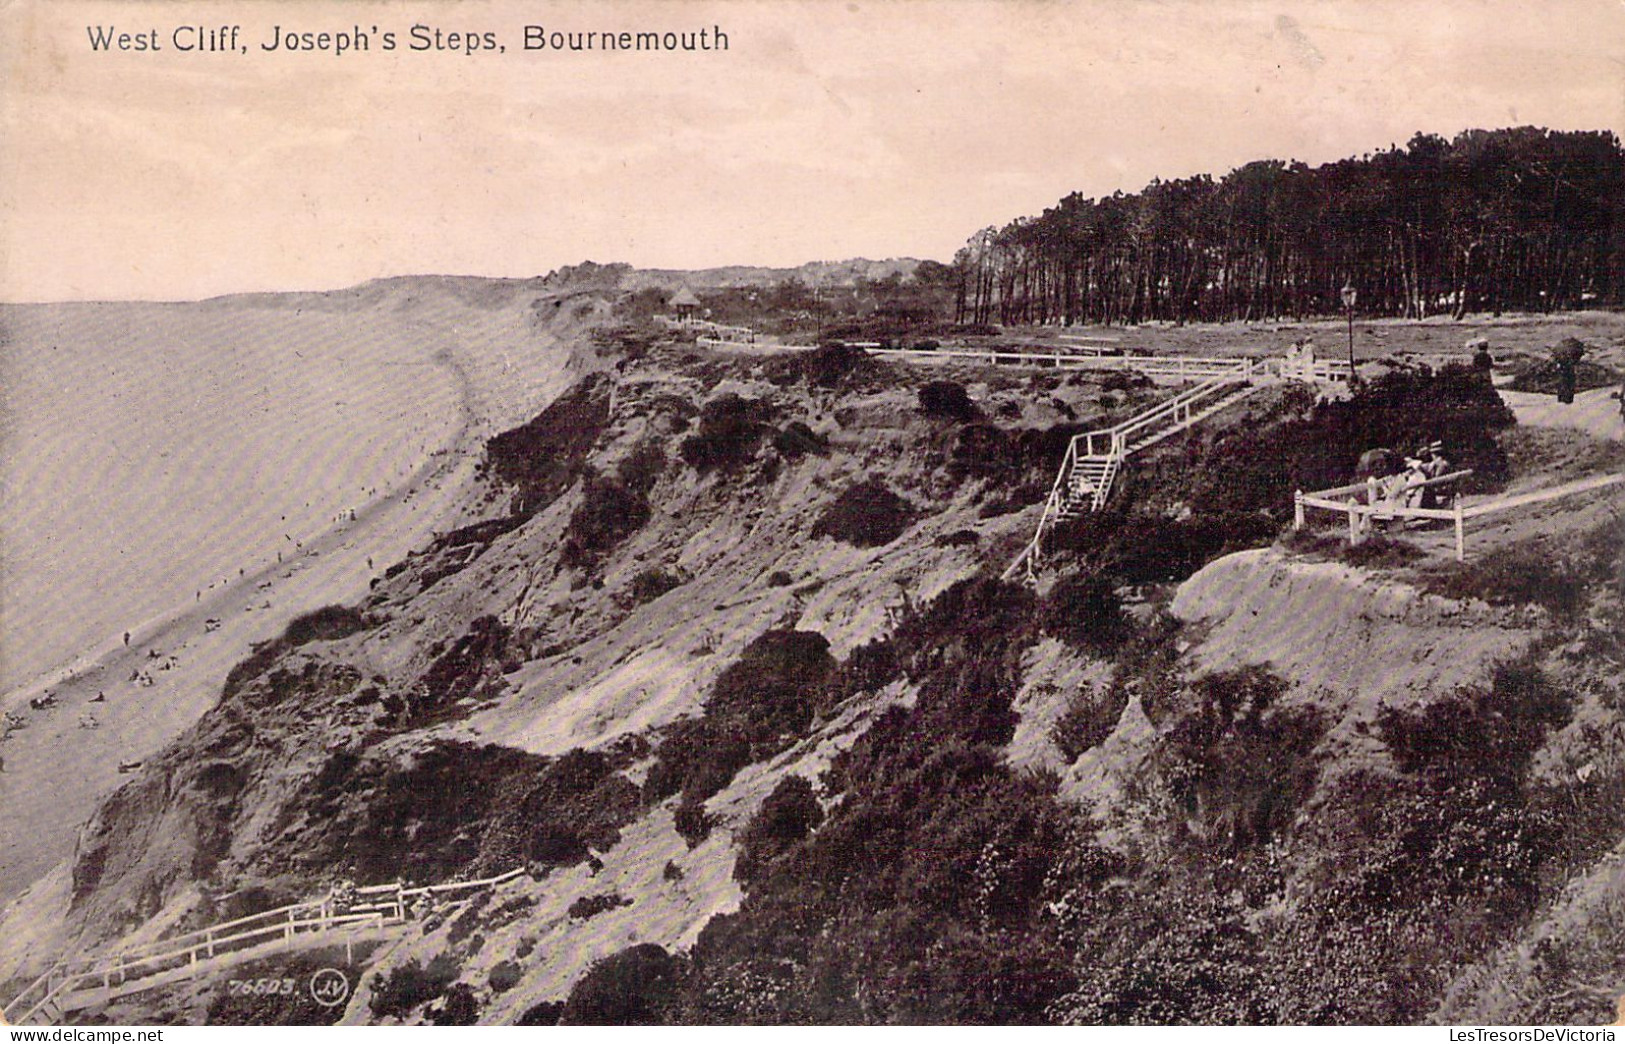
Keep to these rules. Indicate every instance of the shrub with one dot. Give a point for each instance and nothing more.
(504, 976)
(642, 468)
(1239, 763)
(653, 582)
(788, 815)
(797, 440)
(609, 512)
(779, 578)
(947, 400)
(1525, 575)
(539, 459)
(410, 984)
(731, 428)
(1476, 731)
(460, 1008)
(1123, 380)
(827, 366)
(545, 1013)
(589, 906)
(866, 515)
(630, 988)
(1089, 718)
(1083, 610)
(326, 624)
(959, 538)
(1381, 552)
(690, 819)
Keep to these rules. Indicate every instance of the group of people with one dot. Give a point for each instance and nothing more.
(1405, 487)
(1300, 360)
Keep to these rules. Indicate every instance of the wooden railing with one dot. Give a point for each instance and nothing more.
(388, 904)
(1364, 502)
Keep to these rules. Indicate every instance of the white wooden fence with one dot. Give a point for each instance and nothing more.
(377, 905)
(1366, 502)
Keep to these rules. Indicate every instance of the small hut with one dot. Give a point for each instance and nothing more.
(685, 305)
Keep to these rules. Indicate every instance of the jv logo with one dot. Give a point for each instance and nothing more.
(329, 987)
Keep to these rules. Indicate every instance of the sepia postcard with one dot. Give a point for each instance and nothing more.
(812, 512)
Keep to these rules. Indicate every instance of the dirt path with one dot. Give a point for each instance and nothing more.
(1594, 412)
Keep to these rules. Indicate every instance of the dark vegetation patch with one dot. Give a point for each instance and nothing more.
(731, 430)
(831, 366)
(759, 706)
(1375, 552)
(947, 400)
(653, 582)
(797, 440)
(1089, 718)
(458, 808)
(411, 984)
(504, 976)
(1557, 577)
(629, 988)
(590, 906)
(959, 538)
(473, 662)
(458, 1007)
(327, 624)
(540, 458)
(788, 815)
(866, 515)
(1083, 610)
(609, 512)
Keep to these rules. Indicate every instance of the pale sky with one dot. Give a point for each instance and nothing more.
(826, 130)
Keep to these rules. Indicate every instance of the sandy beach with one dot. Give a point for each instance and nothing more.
(196, 475)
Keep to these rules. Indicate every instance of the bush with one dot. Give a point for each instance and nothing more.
(460, 1008)
(326, 624)
(1084, 611)
(410, 984)
(789, 814)
(545, 1013)
(866, 515)
(797, 440)
(947, 400)
(589, 906)
(540, 458)
(609, 513)
(504, 976)
(1239, 763)
(959, 538)
(1542, 378)
(759, 705)
(1526, 575)
(731, 428)
(651, 583)
(1089, 718)
(827, 366)
(690, 819)
(779, 578)
(630, 988)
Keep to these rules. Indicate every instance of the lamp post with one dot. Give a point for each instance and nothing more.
(1350, 295)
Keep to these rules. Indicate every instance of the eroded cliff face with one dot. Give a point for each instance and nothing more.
(495, 701)
(633, 642)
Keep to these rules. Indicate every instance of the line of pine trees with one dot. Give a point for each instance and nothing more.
(1522, 219)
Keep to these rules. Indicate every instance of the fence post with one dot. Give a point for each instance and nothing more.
(1354, 526)
(208, 938)
(1297, 509)
(1461, 536)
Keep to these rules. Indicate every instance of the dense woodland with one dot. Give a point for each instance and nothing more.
(1520, 219)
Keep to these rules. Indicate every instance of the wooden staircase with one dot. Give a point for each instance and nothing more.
(1094, 459)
